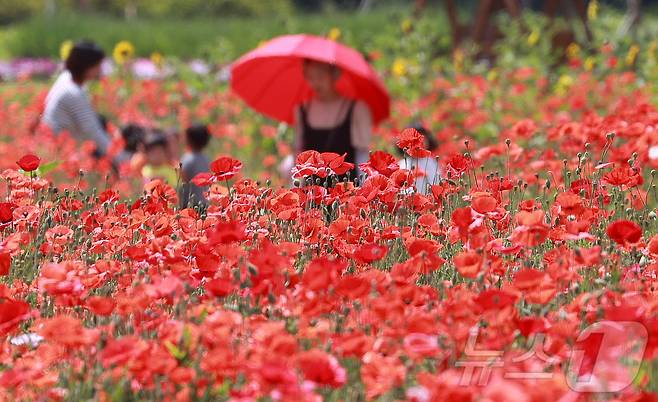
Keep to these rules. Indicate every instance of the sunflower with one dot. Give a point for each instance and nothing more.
(589, 63)
(593, 9)
(400, 67)
(123, 51)
(157, 58)
(632, 55)
(334, 33)
(65, 49)
(573, 51)
(563, 84)
(406, 25)
(533, 38)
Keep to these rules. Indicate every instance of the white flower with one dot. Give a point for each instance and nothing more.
(653, 152)
(30, 338)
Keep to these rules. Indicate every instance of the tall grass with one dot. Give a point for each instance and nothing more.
(189, 38)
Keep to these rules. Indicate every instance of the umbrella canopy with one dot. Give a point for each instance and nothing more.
(271, 80)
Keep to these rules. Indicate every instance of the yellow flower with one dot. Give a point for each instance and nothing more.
(458, 60)
(492, 75)
(632, 55)
(400, 67)
(123, 51)
(334, 33)
(592, 9)
(533, 38)
(406, 25)
(157, 58)
(589, 63)
(651, 51)
(65, 49)
(573, 50)
(563, 84)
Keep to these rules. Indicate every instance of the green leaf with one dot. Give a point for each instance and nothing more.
(48, 167)
(43, 169)
(174, 350)
(187, 337)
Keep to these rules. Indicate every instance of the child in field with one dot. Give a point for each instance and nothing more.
(133, 137)
(427, 169)
(158, 164)
(194, 162)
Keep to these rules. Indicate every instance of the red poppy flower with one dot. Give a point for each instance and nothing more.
(528, 278)
(382, 163)
(102, 306)
(495, 299)
(12, 312)
(532, 325)
(203, 179)
(483, 203)
(569, 203)
(219, 287)
(462, 219)
(419, 345)
(29, 162)
(426, 254)
(624, 175)
(653, 245)
(226, 233)
(369, 253)
(309, 163)
(322, 368)
(468, 263)
(121, 351)
(410, 138)
(7, 211)
(336, 162)
(457, 164)
(5, 263)
(321, 273)
(225, 167)
(624, 232)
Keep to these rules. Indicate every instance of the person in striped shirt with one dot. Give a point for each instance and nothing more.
(67, 106)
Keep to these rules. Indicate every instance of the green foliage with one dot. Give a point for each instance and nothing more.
(218, 39)
(13, 10)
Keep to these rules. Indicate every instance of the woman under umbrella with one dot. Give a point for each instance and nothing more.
(330, 122)
(327, 90)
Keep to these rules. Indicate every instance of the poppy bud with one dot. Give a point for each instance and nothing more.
(29, 162)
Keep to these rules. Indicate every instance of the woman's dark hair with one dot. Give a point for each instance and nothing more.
(83, 56)
(197, 137)
(133, 135)
(333, 69)
(430, 141)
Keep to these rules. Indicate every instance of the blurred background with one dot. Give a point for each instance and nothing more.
(463, 68)
(220, 30)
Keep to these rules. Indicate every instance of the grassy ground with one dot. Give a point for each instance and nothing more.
(218, 39)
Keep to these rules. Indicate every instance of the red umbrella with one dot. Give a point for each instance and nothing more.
(270, 78)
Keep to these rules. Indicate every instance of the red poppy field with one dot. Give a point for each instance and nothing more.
(528, 273)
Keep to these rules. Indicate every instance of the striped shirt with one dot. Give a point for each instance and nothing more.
(68, 109)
